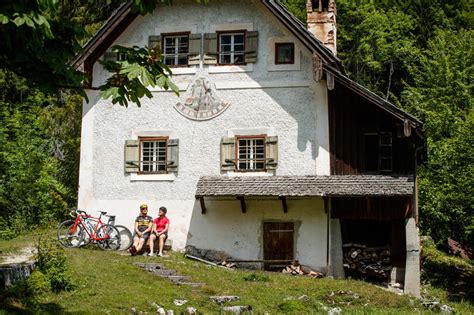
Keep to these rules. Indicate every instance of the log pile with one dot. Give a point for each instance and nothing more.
(368, 262)
(296, 269)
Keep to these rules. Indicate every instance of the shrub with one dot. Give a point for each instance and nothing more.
(52, 262)
(38, 283)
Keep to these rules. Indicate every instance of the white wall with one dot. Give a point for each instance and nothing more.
(287, 102)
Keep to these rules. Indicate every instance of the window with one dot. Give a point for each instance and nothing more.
(153, 155)
(251, 153)
(176, 49)
(378, 152)
(284, 53)
(232, 48)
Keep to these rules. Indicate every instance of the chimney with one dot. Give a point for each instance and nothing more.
(322, 21)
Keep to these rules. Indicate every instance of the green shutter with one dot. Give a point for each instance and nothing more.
(228, 154)
(172, 155)
(110, 56)
(132, 156)
(210, 48)
(251, 47)
(194, 49)
(154, 41)
(271, 153)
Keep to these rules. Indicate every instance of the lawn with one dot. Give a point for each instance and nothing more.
(109, 283)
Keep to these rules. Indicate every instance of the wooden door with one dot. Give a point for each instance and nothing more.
(278, 243)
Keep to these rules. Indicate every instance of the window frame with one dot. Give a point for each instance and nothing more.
(277, 45)
(152, 139)
(237, 159)
(233, 32)
(176, 34)
(379, 157)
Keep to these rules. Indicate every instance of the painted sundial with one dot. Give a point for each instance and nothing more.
(201, 102)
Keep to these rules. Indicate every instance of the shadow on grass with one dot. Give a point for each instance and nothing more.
(17, 300)
(451, 274)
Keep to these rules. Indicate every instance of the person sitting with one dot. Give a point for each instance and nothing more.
(143, 228)
(160, 231)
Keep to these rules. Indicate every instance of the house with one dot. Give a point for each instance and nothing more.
(269, 153)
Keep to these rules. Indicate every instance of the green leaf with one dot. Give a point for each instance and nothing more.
(4, 19)
(19, 21)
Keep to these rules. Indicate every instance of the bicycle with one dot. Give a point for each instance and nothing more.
(86, 228)
(126, 238)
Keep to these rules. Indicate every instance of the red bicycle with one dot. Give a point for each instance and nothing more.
(86, 228)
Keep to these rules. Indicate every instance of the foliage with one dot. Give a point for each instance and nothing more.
(442, 97)
(256, 277)
(51, 261)
(131, 77)
(38, 283)
(297, 7)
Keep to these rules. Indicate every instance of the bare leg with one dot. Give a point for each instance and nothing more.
(136, 239)
(140, 244)
(152, 243)
(162, 244)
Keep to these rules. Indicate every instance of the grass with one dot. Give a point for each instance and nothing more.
(109, 283)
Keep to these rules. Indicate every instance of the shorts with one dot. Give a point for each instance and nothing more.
(145, 236)
(165, 234)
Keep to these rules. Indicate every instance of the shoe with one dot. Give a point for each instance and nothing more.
(159, 255)
(150, 255)
(132, 250)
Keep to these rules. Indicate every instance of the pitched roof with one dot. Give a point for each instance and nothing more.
(306, 186)
(123, 16)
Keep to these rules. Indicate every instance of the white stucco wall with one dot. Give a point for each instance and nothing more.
(288, 102)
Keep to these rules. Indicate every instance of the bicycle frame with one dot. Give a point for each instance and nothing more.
(93, 232)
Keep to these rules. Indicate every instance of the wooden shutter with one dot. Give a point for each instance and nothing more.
(210, 48)
(251, 47)
(154, 41)
(194, 49)
(110, 56)
(132, 156)
(228, 160)
(172, 155)
(271, 152)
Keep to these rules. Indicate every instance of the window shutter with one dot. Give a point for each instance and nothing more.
(228, 154)
(210, 48)
(251, 47)
(154, 41)
(132, 156)
(172, 155)
(110, 56)
(271, 152)
(194, 49)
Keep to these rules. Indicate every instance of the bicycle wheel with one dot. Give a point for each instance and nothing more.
(113, 240)
(126, 238)
(67, 237)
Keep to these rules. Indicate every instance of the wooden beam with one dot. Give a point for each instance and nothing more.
(203, 205)
(242, 204)
(284, 204)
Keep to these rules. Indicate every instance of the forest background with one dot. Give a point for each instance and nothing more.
(418, 54)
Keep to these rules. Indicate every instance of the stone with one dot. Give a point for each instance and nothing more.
(161, 311)
(304, 298)
(335, 311)
(336, 268)
(191, 310)
(445, 309)
(133, 310)
(179, 302)
(412, 265)
(169, 312)
(238, 309)
(222, 299)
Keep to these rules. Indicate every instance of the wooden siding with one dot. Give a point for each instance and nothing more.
(371, 208)
(350, 117)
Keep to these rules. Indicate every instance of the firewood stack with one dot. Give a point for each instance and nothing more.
(369, 262)
(296, 269)
(227, 264)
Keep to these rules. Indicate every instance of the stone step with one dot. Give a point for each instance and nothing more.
(178, 278)
(191, 284)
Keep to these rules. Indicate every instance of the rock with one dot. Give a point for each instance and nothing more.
(180, 302)
(161, 311)
(238, 309)
(191, 310)
(169, 312)
(221, 299)
(445, 309)
(334, 311)
(304, 298)
(133, 310)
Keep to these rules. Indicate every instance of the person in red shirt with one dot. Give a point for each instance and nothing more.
(160, 231)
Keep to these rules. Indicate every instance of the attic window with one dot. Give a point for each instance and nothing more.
(320, 5)
(176, 49)
(284, 53)
(378, 152)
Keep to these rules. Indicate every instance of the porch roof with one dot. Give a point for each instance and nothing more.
(306, 186)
